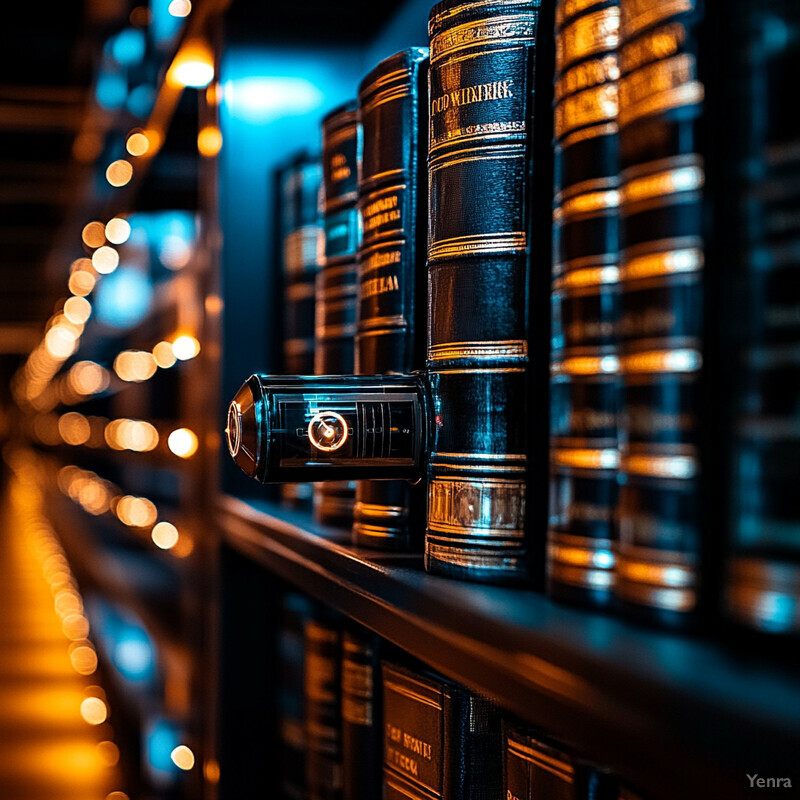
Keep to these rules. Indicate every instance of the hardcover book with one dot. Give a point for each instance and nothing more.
(299, 185)
(323, 721)
(762, 570)
(295, 610)
(664, 214)
(440, 740)
(536, 768)
(337, 280)
(362, 726)
(479, 162)
(391, 257)
(584, 363)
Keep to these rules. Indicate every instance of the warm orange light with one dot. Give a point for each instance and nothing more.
(209, 141)
(118, 795)
(119, 172)
(135, 365)
(60, 342)
(164, 355)
(108, 752)
(87, 377)
(74, 428)
(77, 309)
(81, 283)
(164, 535)
(83, 659)
(75, 626)
(182, 757)
(84, 264)
(193, 65)
(138, 512)
(94, 234)
(87, 146)
(183, 442)
(105, 259)
(118, 230)
(137, 144)
(211, 770)
(94, 710)
(185, 347)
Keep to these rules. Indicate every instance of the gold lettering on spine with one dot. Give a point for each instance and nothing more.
(640, 14)
(586, 108)
(504, 28)
(479, 93)
(381, 285)
(588, 35)
(659, 87)
(655, 46)
(584, 76)
(380, 259)
(380, 212)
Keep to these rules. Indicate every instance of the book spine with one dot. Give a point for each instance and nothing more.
(337, 284)
(291, 695)
(392, 205)
(301, 228)
(662, 233)
(362, 728)
(584, 363)
(478, 167)
(533, 769)
(322, 682)
(762, 575)
(440, 740)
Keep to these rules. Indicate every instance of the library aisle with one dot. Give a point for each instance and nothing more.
(52, 746)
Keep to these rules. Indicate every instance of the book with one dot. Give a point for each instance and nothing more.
(479, 163)
(761, 590)
(322, 635)
(337, 280)
(535, 767)
(299, 185)
(390, 316)
(584, 362)
(295, 609)
(664, 216)
(362, 728)
(440, 739)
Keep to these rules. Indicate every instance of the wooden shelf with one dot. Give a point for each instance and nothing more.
(675, 715)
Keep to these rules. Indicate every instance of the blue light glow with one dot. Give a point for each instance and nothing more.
(163, 26)
(141, 99)
(133, 655)
(111, 90)
(123, 298)
(128, 46)
(161, 737)
(260, 98)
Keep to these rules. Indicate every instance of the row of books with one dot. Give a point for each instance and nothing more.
(578, 220)
(361, 720)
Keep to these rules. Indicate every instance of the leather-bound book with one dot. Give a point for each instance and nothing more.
(390, 331)
(440, 740)
(299, 185)
(294, 610)
(664, 237)
(362, 728)
(535, 767)
(761, 591)
(584, 364)
(479, 164)
(323, 721)
(337, 284)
